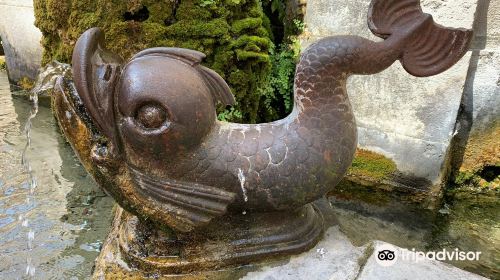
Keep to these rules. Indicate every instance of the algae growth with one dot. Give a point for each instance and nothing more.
(25, 84)
(480, 168)
(3, 65)
(372, 165)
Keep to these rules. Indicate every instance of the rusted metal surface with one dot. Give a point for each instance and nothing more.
(151, 139)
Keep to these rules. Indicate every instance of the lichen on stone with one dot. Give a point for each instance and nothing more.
(480, 167)
(483, 148)
(3, 65)
(25, 83)
(371, 165)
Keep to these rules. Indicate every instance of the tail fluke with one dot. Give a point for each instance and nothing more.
(431, 48)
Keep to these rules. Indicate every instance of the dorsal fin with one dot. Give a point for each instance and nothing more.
(218, 87)
(431, 49)
(191, 57)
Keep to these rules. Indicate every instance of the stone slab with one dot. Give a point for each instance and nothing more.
(336, 258)
(486, 79)
(491, 32)
(486, 89)
(478, 144)
(333, 258)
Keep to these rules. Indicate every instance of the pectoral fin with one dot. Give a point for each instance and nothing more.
(189, 205)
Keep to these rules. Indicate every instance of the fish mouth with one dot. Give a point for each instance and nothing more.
(103, 150)
(65, 88)
(92, 147)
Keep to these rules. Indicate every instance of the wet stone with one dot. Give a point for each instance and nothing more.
(332, 258)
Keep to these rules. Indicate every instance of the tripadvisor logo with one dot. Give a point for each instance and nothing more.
(387, 255)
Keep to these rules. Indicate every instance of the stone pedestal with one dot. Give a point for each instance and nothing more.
(135, 248)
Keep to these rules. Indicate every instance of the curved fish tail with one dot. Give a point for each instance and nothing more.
(429, 47)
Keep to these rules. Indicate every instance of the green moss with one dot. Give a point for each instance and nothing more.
(242, 55)
(372, 179)
(3, 65)
(234, 34)
(256, 40)
(25, 83)
(189, 10)
(464, 178)
(199, 28)
(474, 181)
(349, 190)
(371, 165)
(247, 23)
(481, 161)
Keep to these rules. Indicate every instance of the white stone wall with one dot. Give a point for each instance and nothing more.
(410, 120)
(485, 83)
(20, 38)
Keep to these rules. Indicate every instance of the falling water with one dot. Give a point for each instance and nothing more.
(60, 230)
(30, 197)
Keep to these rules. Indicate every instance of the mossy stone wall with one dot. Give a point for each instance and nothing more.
(2, 63)
(234, 34)
(480, 167)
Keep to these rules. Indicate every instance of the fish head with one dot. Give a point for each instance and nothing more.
(164, 108)
(157, 106)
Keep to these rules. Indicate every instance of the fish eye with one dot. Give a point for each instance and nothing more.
(151, 116)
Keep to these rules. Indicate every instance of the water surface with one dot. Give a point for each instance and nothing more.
(53, 219)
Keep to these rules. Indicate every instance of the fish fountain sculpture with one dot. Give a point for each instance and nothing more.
(209, 193)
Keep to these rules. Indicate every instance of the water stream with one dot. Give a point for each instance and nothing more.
(53, 217)
(30, 196)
